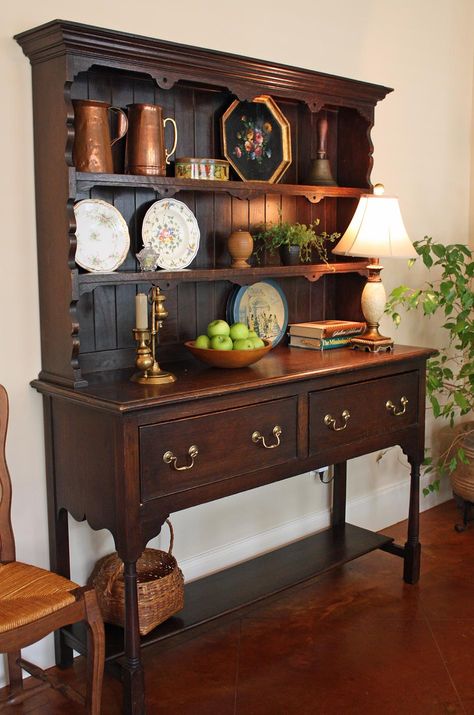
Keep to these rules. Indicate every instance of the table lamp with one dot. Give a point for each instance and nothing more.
(376, 229)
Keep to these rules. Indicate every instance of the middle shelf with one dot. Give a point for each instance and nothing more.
(88, 281)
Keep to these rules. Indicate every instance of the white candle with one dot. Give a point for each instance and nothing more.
(141, 311)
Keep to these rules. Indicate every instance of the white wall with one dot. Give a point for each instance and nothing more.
(422, 48)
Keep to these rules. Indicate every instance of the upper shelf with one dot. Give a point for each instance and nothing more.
(89, 281)
(169, 185)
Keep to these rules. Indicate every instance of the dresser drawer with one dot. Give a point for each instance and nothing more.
(343, 415)
(226, 446)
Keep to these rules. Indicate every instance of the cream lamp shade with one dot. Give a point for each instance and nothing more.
(377, 231)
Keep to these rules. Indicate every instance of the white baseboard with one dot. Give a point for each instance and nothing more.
(374, 511)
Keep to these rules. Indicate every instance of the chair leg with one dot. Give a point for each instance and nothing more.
(14, 672)
(95, 653)
(16, 693)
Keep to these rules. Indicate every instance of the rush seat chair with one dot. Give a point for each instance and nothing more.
(35, 602)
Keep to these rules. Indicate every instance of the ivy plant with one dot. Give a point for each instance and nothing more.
(450, 374)
(274, 235)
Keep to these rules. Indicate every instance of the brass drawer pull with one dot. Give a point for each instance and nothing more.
(257, 437)
(330, 421)
(393, 408)
(169, 458)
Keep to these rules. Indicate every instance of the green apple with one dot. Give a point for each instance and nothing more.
(221, 342)
(202, 341)
(243, 344)
(218, 327)
(257, 342)
(253, 334)
(239, 331)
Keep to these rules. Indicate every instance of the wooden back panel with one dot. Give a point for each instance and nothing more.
(7, 540)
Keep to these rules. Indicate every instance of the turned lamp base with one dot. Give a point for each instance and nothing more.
(372, 345)
(373, 301)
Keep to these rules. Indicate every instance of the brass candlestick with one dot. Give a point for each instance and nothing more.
(149, 371)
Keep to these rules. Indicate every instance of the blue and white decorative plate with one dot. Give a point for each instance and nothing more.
(170, 228)
(230, 305)
(263, 307)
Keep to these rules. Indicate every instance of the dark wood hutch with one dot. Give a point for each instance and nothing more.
(106, 436)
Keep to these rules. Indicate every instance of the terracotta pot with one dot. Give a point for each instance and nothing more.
(462, 479)
(240, 247)
(290, 255)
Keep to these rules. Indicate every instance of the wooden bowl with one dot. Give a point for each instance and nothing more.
(228, 358)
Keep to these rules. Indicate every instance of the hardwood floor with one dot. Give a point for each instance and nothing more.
(356, 640)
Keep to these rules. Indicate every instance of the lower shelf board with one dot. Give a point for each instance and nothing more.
(249, 582)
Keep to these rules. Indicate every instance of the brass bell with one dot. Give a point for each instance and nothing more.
(320, 168)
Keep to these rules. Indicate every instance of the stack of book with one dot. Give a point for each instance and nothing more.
(324, 334)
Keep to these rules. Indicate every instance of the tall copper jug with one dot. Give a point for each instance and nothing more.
(146, 152)
(92, 150)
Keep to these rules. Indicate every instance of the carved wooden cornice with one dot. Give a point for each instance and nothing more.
(169, 62)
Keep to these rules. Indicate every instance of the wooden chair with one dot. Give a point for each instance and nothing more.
(35, 602)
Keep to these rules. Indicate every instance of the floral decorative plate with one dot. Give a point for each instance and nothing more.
(263, 307)
(171, 229)
(102, 236)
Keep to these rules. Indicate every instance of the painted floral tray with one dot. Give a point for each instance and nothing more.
(256, 139)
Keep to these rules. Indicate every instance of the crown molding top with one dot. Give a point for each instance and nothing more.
(169, 62)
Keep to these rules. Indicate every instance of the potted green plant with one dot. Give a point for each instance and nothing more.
(450, 375)
(295, 241)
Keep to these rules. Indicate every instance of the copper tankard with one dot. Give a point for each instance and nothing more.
(146, 152)
(92, 150)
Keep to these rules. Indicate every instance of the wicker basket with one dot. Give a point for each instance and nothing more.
(160, 587)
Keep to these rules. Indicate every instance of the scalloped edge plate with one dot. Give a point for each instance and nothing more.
(171, 229)
(102, 235)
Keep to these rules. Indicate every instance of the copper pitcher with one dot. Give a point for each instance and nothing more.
(92, 150)
(146, 152)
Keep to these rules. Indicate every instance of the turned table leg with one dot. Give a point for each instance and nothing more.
(133, 675)
(412, 553)
(339, 494)
(58, 532)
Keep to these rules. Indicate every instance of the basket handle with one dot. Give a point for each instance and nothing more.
(170, 526)
(113, 575)
(118, 570)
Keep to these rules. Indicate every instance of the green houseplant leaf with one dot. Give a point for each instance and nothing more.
(272, 236)
(450, 375)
